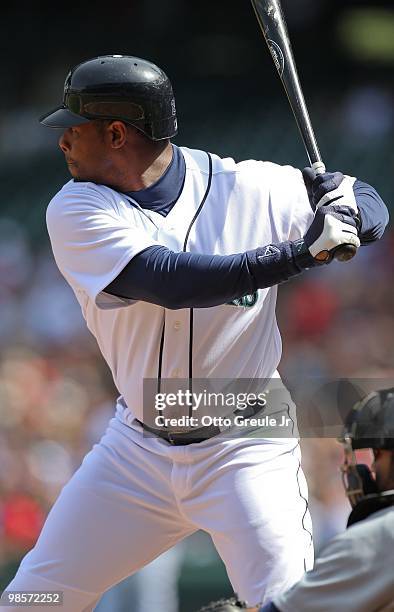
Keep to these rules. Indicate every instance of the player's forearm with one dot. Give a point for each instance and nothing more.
(189, 280)
(373, 212)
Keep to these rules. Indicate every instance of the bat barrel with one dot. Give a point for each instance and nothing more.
(273, 26)
(270, 17)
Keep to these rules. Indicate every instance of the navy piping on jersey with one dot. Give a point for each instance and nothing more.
(191, 329)
(291, 419)
(191, 312)
(306, 504)
(191, 309)
(161, 358)
(298, 483)
(202, 202)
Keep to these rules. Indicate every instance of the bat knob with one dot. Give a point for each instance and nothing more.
(345, 252)
(318, 167)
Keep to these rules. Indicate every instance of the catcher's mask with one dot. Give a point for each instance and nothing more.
(357, 478)
(369, 425)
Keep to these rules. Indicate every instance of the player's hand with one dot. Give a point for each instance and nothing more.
(329, 188)
(331, 228)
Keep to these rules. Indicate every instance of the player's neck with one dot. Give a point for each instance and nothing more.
(142, 168)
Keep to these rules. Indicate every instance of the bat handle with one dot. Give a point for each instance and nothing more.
(345, 251)
(318, 167)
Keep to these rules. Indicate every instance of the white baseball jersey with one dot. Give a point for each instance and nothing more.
(224, 208)
(354, 572)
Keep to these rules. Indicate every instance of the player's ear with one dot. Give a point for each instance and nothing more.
(117, 132)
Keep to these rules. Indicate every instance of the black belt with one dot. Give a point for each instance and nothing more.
(198, 435)
(181, 438)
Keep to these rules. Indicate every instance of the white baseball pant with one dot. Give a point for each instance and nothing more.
(136, 496)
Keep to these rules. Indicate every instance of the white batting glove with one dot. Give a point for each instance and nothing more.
(332, 227)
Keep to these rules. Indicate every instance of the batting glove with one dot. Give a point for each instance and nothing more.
(330, 188)
(332, 227)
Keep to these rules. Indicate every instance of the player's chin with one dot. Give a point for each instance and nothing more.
(75, 171)
(72, 168)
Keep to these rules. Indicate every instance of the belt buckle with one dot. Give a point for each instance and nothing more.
(174, 436)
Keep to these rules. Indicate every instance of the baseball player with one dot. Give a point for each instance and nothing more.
(174, 256)
(354, 572)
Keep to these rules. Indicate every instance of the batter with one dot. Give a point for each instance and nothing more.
(174, 256)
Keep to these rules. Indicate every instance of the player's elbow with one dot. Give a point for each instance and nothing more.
(381, 220)
(380, 227)
(373, 211)
(375, 232)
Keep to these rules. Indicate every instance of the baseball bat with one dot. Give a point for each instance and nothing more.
(273, 26)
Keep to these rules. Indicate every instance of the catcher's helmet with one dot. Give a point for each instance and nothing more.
(121, 87)
(370, 424)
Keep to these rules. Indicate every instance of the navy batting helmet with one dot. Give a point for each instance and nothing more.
(121, 87)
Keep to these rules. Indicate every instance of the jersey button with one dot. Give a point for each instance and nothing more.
(176, 373)
(177, 325)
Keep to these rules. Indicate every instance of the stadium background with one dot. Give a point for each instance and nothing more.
(55, 390)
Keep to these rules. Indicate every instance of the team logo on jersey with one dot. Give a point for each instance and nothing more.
(246, 301)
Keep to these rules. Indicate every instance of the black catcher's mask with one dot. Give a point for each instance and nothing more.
(369, 425)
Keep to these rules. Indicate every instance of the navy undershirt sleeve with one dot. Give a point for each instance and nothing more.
(189, 280)
(373, 212)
